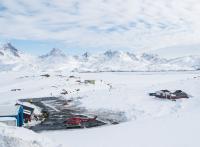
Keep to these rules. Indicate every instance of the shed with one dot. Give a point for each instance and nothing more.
(27, 108)
(28, 112)
(12, 115)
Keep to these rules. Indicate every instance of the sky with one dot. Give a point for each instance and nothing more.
(77, 26)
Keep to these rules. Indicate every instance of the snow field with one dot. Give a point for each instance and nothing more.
(159, 122)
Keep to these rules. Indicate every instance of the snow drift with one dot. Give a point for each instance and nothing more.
(20, 137)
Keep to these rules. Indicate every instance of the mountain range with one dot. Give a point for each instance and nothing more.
(11, 59)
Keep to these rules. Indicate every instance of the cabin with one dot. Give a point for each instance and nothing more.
(12, 115)
(27, 113)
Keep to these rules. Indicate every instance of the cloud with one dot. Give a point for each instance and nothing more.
(133, 24)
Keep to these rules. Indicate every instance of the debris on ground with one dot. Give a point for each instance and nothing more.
(89, 81)
(71, 76)
(62, 76)
(64, 92)
(45, 75)
(15, 90)
(78, 81)
(54, 86)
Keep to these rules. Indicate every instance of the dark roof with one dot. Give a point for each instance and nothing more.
(165, 90)
(178, 91)
(181, 94)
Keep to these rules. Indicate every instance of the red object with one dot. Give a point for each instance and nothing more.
(28, 117)
(78, 120)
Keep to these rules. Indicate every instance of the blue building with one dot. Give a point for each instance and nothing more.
(12, 115)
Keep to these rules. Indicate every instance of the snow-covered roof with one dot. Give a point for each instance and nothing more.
(8, 110)
(7, 119)
(25, 104)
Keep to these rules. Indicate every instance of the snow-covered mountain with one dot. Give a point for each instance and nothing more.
(126, 61)
(153, 58)
(9, 53)
(54, 53)
(8, 48)
(13, 59)
(56, 60)
(190, 61)
(111, 61)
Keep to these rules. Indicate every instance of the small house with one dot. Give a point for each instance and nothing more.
(28, 111)
(12, 115)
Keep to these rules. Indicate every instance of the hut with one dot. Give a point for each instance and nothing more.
(28, 111)
(12, 115)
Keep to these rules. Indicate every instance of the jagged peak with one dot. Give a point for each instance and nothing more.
(55, 52)
(10, 48)
(111, 53)
(149, 55)
(86, 55)
(153, 58)
(132, 55)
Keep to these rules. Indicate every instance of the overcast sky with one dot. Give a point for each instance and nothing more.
(95, 25)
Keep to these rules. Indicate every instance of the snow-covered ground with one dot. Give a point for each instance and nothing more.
(20, 137)
(173, 131)
(151, 121)
(155, 122)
